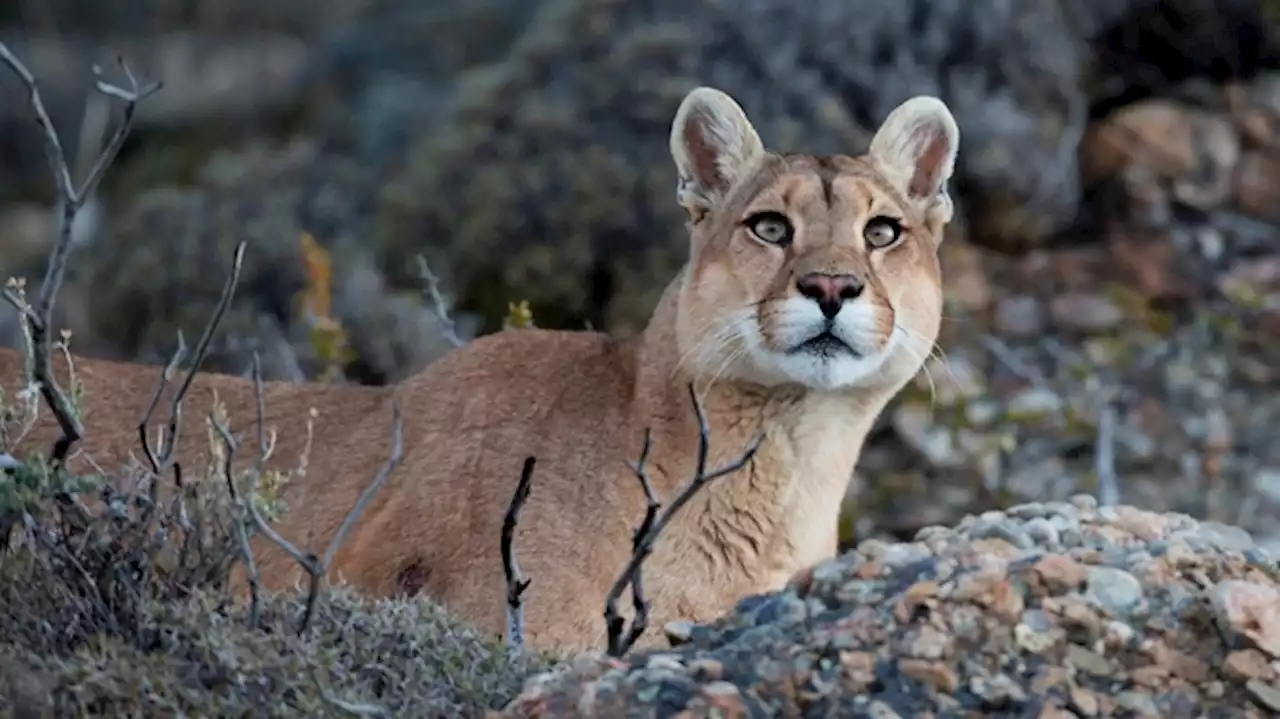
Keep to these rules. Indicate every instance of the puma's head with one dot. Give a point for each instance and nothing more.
(817, 271)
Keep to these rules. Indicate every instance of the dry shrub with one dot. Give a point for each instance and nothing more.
(115, 604)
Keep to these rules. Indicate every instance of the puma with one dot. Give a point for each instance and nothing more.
(811, 296)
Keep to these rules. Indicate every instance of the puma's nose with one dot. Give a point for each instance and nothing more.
(829, 291)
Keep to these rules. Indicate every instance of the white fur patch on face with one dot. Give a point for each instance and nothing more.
(853, 360)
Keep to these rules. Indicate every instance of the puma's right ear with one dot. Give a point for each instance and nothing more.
(917, 144)
(713, 145)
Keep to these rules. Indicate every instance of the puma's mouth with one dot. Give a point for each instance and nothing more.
(825, 345)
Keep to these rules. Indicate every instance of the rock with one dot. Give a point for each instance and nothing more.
(1060, 573)
(1019, 316)
(1082, 312)
(1256, 180)
(1194, 150)
(915, 426)
(1267, 483)
(1265, 694)
(1226, 537)
(1251, 611)
(1114, 590)
(1245, 664)
(1158, 133)
(1035, 402)
(678, 632)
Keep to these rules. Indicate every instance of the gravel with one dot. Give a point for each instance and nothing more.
(1050, 610)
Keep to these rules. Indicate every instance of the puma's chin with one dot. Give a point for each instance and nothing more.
(802, 347)
(828, 362)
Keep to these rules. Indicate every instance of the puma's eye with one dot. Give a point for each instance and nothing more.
(881, 232)
(771, 227)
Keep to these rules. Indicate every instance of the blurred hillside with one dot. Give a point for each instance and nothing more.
(1114, 274)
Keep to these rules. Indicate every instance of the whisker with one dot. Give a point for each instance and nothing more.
(715, 335)
(934, 348)
(728, 362)
(918, 355)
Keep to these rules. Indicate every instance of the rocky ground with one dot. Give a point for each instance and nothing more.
(1051, 610)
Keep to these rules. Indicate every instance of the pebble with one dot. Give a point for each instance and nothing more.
(914, 424)
(1139, 703)
(1035, 402)
(1031, 510)
(1245, 664)
(1008, 530)
(1267, 483)
(678, 632)
(1114, 590)
(1227, 537)
(1042, 531)
(1085, 312)
(1019, 316)
(1249, 610)
(663, 662)
(1267, 695)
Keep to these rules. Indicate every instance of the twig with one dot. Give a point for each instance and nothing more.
(516, 583)
(166, 375)
(447, 325)
(1005, 355)
(317, 566)
(168, 440)
(240, 517)
(1105, 456)
(645, 537)
(652, 505)
(71, 200)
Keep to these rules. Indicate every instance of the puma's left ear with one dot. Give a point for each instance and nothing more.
(917, 145)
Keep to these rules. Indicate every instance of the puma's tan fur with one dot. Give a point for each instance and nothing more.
(774, 240)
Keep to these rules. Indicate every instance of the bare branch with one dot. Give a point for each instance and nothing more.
(651, 528)
(166, 376)
(516, 583)
(260, 409)
(317, 566)
(1105, 456)
(169, 439)
(1005, 355)
(240, 516)
(53, 144)
(447, 325)
(71, 200)
(640, 621)
(393, 461)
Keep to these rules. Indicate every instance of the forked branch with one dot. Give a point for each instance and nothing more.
(516, 583)
(71, 198)
(169, 437)
(651, 527)
(317, 566)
